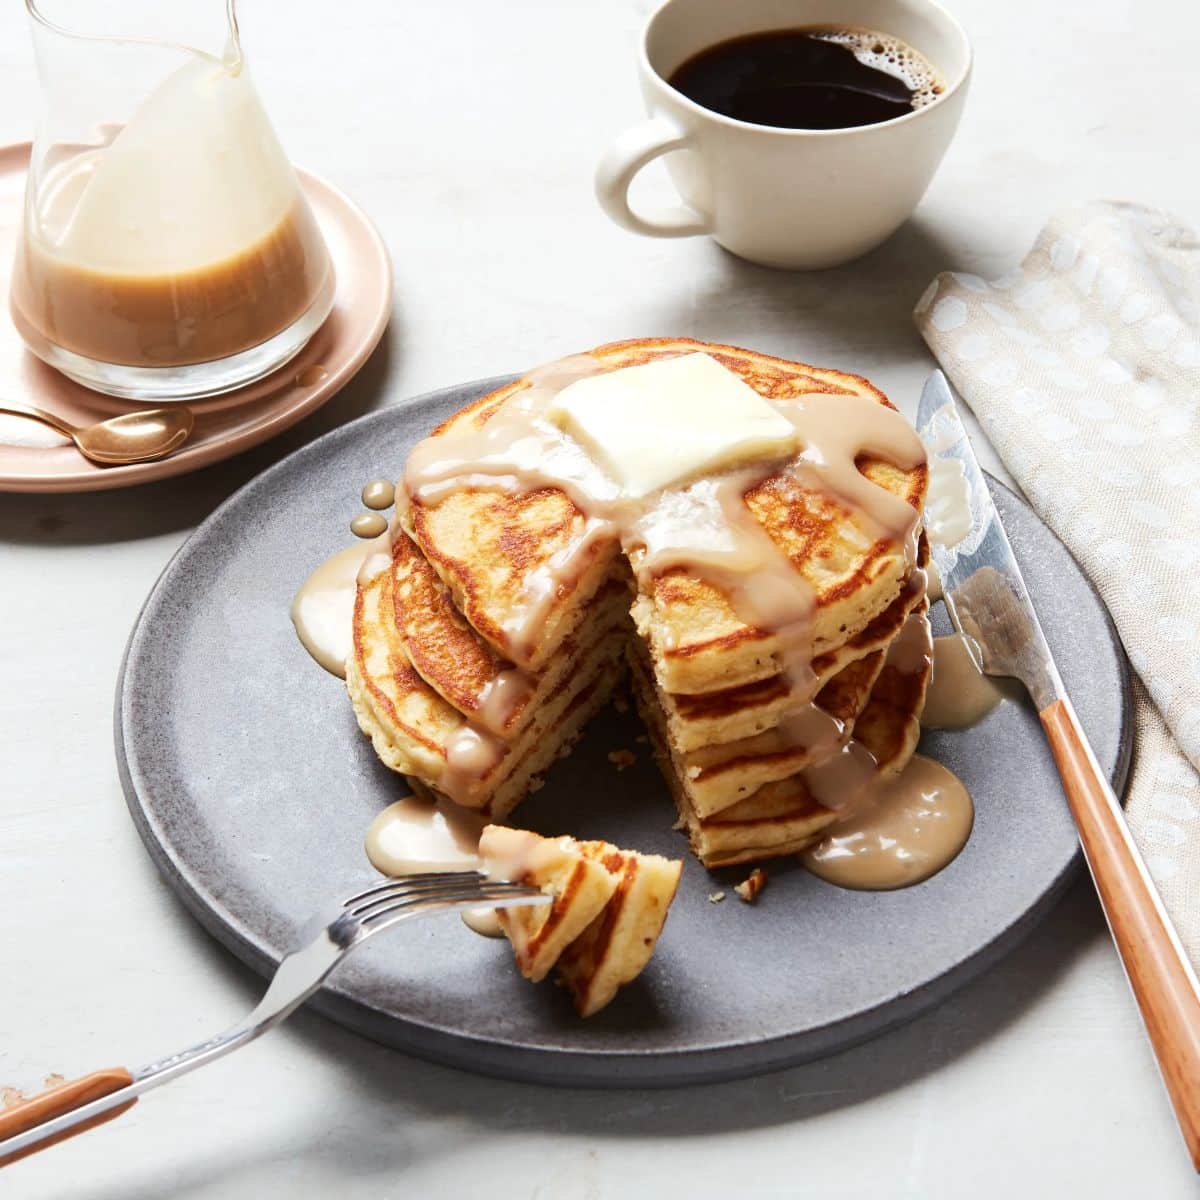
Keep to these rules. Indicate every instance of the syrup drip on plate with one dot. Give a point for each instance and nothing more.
(417, 837)
(323, 610)
(379, 494)
(960, 694)
(845, 781)
(904, 830)
(368, 525)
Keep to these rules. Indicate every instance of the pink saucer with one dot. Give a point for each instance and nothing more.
(35, 459)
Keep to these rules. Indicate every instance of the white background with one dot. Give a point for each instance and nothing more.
(469, 131)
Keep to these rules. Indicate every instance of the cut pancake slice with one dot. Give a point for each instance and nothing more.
(780, 819)
(463, 668)
(785, 816)
(718, 776)
(719, 763)
(777, 819)
(414, 730)
(556, 741)
(598, 955)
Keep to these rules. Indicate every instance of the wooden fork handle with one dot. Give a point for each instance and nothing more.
(56, 1102)
(1156, 964)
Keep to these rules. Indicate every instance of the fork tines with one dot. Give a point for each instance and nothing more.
(424, 880)
(456, 888)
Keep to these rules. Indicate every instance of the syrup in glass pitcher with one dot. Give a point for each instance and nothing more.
(168, 251)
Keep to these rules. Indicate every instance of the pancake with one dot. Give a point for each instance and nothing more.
(722, 773)
(487, 544)
(451, 656)
(608, 911)
(780, 818)
(413, 728)
(696, 722)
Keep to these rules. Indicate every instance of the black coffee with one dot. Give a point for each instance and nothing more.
(809, 78)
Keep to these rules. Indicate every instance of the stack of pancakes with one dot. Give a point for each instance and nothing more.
(439, 635)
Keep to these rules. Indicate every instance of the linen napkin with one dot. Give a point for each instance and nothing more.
(1083, 367)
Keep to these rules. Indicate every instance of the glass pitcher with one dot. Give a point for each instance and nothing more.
(168, 252)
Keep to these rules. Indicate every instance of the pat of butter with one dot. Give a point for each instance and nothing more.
(667, 422)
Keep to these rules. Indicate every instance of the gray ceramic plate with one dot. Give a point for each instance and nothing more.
(252, 788)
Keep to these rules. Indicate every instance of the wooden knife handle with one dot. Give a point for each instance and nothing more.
(1156, 964)
(28, 1114)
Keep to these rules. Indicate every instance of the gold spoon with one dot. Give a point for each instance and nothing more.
(130, 438)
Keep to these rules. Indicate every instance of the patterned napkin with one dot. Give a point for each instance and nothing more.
(1083, 367)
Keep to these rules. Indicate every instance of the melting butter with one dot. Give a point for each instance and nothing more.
(947, 500)
(668, 421)
(904, 830)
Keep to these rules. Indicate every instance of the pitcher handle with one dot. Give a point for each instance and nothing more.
(628, 154)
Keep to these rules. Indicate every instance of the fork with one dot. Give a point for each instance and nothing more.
(70, 1108)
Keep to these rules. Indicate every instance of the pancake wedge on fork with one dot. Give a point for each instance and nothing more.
(580, 884)
(615, 948)
(608, 911)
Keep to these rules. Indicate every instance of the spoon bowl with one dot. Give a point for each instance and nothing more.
(136, 436)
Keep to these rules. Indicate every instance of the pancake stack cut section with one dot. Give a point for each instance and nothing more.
(771, 618)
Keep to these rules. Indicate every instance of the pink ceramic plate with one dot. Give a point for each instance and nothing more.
(35, 459)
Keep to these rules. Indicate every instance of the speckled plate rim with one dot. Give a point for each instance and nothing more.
(353, 352)
(506, 1059)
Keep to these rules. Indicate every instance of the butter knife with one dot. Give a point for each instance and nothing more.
(987, 599)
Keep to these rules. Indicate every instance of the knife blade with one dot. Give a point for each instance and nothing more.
(987, 599)
(982, 584)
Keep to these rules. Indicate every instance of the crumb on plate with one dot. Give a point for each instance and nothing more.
(754, 883)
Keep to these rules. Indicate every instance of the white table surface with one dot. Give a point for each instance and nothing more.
(469, 132)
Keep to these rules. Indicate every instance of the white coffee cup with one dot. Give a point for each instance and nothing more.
(794, 198)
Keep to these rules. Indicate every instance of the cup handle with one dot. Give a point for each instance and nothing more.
(631, 151)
